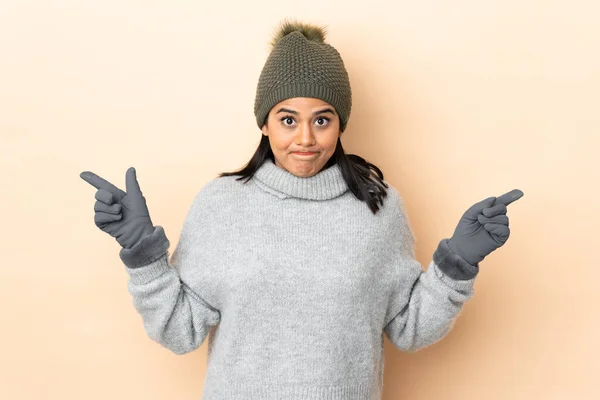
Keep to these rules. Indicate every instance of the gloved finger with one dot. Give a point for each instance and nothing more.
(510, 197)
(498, 219)
(101, 218)
(494, 210)
(112, 209)
(100, 183)
(501, 231)
(476, 208)
(132, 185)
(105, 196)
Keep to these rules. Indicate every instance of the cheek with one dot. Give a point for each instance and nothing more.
(331, 143)
(281, 141)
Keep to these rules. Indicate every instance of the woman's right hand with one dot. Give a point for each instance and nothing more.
(123, 215)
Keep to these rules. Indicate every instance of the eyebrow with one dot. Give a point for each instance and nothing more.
(325, 110)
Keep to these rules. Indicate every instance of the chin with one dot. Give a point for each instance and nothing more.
(307, 171)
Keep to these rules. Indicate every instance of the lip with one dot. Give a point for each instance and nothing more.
(304, 153)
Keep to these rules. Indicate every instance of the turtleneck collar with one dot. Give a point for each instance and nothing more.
(326, 184)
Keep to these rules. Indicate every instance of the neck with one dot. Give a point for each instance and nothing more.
(324, 185)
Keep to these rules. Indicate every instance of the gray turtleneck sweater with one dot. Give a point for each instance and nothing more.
(300, 280)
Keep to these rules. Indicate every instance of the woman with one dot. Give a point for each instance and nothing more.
(301, 260)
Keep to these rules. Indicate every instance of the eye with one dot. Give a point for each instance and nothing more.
(283, 119)
(324, 119)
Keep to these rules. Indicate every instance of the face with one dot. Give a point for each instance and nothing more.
(302, 124)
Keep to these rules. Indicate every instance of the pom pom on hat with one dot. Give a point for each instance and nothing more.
(310, 31)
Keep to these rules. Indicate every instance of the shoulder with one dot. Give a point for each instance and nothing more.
(393, 203)
(222, 185)
(216, 191)
(394, 212)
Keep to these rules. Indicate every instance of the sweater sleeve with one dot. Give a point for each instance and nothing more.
(174, 315)
(425, 304)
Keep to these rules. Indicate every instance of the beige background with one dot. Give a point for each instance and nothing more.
(454, 101)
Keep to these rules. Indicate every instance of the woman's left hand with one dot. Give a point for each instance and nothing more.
(483, 228)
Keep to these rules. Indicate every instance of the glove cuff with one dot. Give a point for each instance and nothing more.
(452, 264)
(149, 249)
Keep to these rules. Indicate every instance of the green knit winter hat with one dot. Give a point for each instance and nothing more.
(301, 64)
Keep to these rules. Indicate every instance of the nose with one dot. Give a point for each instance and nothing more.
(305, 137)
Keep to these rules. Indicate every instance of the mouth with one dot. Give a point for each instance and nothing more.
(304, 153)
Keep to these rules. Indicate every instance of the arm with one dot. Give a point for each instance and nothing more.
(425, 304)
(173, 314)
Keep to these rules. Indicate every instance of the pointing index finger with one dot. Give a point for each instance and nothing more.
(100, 183)
(509, 197)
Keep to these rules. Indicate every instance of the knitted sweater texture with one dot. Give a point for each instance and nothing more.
(294, 282)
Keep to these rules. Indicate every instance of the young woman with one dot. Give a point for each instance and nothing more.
(303, 259)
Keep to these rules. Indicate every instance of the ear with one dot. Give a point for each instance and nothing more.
(264, 130)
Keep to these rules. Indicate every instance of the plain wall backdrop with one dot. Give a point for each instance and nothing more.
(454, 101)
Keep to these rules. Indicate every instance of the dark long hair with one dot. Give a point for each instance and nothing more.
(355, 170)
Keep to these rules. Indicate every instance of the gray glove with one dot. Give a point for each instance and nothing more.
(122, 215)
(483, 228)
